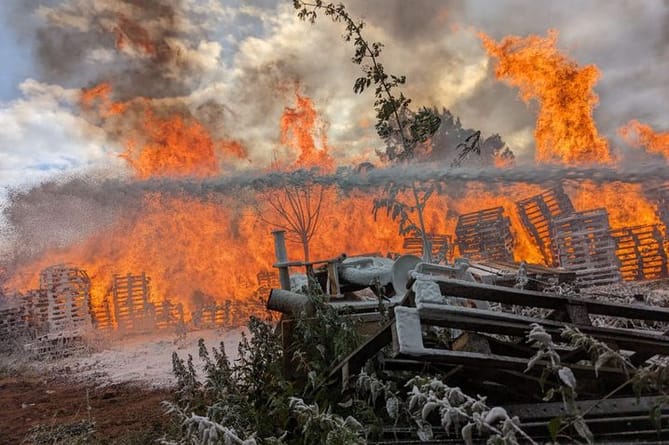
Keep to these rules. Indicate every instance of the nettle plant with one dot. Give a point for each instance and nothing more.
(404, 131)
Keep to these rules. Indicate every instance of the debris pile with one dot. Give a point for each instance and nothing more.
(449, 321)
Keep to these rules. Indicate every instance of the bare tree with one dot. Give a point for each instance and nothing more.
(295, 208)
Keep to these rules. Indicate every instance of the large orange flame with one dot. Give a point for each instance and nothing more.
(300, 127)
(176, 146)
(565, 130)
(640, 135)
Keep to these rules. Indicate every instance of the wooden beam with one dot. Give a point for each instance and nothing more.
(507, 295)
(354, 362)
(516, 325)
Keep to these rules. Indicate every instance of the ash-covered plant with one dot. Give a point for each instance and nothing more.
(323, 426)
(235, 402)
(252, 400)
(549, 358)
(431, 401)
(321, 337)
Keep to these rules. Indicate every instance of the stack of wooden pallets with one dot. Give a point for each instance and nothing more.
(67, 293)
(442, 246)
(485, 235)
(584, 244)
(130, 296)
(537, 214)
(641, 252)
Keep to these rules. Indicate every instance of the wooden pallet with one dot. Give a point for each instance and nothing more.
(268, 279)
(169, 315)
(103, 318)
(641, 252)
(130, 297)
(485, 234)
(66, 295)
(37, 310)
(442, 246)
(13, 325)
(537, 214)
(584, 245)
(227, 313)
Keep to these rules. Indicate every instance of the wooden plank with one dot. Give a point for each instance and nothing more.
(506, 295)
(495, 362)
(354, 362)
(478, 320)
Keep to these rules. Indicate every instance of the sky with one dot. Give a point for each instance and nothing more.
(241, 61)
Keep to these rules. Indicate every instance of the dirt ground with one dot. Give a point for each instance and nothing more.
(122, 413)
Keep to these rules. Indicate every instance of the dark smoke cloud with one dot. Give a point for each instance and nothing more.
(77, 44)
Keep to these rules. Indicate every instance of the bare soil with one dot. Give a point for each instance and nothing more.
(122, 413)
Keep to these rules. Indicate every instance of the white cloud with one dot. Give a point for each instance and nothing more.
(41, 136)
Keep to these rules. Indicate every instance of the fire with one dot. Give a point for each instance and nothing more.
(565, 130)
(131, 35)
(626, 204)
(216, 244)
(99, 98)
(479, 197)
(300, 127)
(175, 146)
(640, 135)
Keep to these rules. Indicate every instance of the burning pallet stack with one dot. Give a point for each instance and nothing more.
(584, 245)
(441, 246)
(13, 325)
(537, 214)
(133, 310)
(58, 313)
(485, 235)
(582, 242)
(641, 252)
(169, 315)
(64, 299)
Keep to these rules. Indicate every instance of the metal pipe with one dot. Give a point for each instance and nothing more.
(281, 258)
(289, 303)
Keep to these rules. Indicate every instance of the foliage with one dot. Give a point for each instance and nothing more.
(252, 400)
(310, 352)
(547, 354)
(322, 426)
(402, 129)
(461, 413)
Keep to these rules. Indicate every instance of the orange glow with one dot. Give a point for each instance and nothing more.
(640, 135)
(216, 244)
(565, 131)
(480, 197)
(625, 203)
(99, 98)
(130, 34)
(176, 146)
(300, 127)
